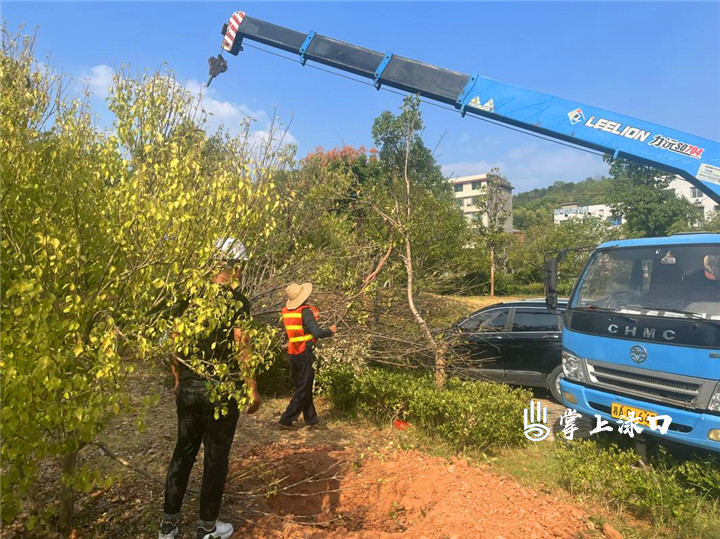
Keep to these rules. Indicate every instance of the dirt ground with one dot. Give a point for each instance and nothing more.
(342, 479)
(404, 493)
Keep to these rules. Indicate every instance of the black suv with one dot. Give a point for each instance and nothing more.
(516, 342)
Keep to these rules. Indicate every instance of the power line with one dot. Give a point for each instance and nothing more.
(432, 103)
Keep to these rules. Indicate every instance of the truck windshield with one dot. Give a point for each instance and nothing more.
(670, 281)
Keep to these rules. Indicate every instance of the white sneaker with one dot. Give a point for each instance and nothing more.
(222, 530)
(168, 530)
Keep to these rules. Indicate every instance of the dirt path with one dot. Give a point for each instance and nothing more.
(346, 479)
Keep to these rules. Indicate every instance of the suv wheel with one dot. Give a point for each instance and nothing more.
(553, 382)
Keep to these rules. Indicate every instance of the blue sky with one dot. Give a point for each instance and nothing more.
(658, 61)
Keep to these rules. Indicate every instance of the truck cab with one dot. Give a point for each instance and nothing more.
(642, 335)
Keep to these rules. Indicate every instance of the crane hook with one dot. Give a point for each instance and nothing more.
(217, 65)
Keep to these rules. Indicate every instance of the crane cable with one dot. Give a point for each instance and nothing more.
(438, 105)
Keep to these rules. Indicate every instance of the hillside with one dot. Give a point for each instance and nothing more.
(536, 207)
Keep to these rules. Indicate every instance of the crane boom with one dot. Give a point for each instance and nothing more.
(694, 158)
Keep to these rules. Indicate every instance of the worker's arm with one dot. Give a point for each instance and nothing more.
(243, 346)
(175, 369)
(313, 327)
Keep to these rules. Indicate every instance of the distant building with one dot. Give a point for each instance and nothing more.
(468, 188)
(576, 211)
(705, 205)
(683, 189)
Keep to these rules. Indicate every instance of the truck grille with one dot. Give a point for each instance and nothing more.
(659, 387)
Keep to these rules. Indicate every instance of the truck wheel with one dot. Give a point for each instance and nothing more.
(553, 382)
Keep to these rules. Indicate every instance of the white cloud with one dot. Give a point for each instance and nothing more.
(233, 115)
(99, 80)
(529, 166)
(260, 137)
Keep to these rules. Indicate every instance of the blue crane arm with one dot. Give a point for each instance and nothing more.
(694, 158)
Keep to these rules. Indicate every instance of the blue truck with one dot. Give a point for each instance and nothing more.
(642, 328)
(641, 337)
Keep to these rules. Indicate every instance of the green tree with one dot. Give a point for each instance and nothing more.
(527, 256)
(99, 229)
(640, 194)
(389, 136)
(376, 229)
(419, 211)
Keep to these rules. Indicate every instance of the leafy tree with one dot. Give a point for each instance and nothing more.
(711, 224)
(389, 136)
(640, 194)
(376, 228)
(418, 209)
(99, 230)
(527, 256)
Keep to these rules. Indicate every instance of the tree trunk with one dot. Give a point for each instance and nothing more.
(438, 350)
(67, 495)
(492, 272)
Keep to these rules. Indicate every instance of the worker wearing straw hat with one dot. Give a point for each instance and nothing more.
(303, 331)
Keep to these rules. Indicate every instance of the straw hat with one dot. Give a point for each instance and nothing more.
(296, 294)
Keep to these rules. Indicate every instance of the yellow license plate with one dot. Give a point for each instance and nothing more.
(620, 411)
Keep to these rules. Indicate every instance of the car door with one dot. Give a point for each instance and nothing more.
(483, 345)
(533, 347)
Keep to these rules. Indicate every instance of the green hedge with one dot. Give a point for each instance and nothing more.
(683, 495)
(480, 415)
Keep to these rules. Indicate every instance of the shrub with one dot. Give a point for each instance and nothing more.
(338, 359)
(337, 385)
(276, 379)
(701, 475)
(382, 394)
(662, 492)
(480, 415)
(531, 289)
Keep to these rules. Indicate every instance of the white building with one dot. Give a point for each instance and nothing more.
(467, 188)
(576, 211)
(705, 205)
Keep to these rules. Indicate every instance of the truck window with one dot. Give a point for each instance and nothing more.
(660, 279)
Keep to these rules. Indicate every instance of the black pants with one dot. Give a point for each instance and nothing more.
(301, 367)
(196, 425)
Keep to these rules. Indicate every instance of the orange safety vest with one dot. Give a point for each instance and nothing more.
(292, 320)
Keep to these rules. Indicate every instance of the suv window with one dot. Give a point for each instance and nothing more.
(472, 323)
(495, 321)
(486, 320)
(535, 321)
